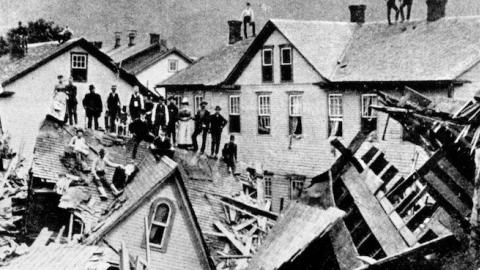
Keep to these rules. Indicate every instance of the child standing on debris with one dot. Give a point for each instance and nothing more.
(229, 154)
(98, 171)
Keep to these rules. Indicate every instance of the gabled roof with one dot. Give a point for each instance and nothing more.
(295, 230)
(212, 69)
(36, 57)
(412, 51)
(126, 52)
(141, 62)
(321, 43)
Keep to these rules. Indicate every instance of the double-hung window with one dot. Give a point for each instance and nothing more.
(264, 114)
(369, 115)
(267, 64)
(286, 61)
(268, 186)
(296, 186)
(160, 224)
(79, 64)
(234, 113)
(172, 65)
(295, 112)
(335, 115)
(197, 103)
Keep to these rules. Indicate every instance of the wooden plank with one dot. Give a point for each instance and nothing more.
(124, 259)
(372, 212)
(244, 224)
(231, 237)
(445, 196)
(59, 235)
(42, 238)
(409, 201)
(253, 210)
(455, 175)
(147, 241)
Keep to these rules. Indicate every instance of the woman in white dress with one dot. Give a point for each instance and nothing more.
(186, 125)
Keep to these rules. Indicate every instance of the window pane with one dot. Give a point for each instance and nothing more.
(234, 105)
(368, 100)
(161, 213)
(295, 127)
(335, 127)
(295, 105)
(267, 57)
(156, 234)
(286, 56)
(335, 107)
(263, 124)
(234, 123)
(268, 187)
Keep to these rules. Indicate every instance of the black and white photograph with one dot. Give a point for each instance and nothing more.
(240, 134)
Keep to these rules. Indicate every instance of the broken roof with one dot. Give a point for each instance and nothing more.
(212, 69)
(294, 231)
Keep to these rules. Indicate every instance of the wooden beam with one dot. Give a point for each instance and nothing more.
(347, 153)
(147, 241)
(231, 237)
(253, 210)
(59, 235)
(124, 259)
(42, 238)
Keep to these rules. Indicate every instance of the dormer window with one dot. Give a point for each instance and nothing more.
(267, 64)
(286, 70)
(160, 224)
(172, 65)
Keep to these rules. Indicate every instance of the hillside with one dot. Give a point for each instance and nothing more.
(196, 26)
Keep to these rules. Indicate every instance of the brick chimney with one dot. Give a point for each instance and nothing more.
(435, 9)
(357, 13)
(118, 36)
(235, 31)
(154, 38)
(132, 34)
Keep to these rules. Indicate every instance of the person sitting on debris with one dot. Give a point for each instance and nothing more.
(79, 146)
(229, 154)
(248, 19)
(139, 129)
(403, 4)
(98, 170)
(217, 123)
(391, 5)
(161, 146)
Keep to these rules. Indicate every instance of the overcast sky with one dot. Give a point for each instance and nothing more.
(193, 25)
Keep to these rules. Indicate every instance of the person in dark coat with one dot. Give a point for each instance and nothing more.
(136, 104)
(202, 122)
(113, 105)
(229, 154)
(92, 102)
(71, 91)
(162, 146)
(149, 106)
(408, 4)
(217, 123)
(172, 119)
(139, 129)
(160, 116)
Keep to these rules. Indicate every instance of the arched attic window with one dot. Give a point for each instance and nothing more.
(160, 220)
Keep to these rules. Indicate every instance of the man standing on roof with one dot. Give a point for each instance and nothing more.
(23, 35)
(247, 17)
(65, 35)
(403, 4)
(71, 91)
(391, 5)
(160, 116)
(113, 105)
(136, 104)
(172, 119)
(92, 102)
(140, 130)
(202, 123)
(217, 123)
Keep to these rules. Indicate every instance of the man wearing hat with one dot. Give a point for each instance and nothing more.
(202, 122)
(92, 103)
(217, 123)
(71, 91)
(160, 116)
(113, 105)
(172, 118)
(140, 130)
(136, 104)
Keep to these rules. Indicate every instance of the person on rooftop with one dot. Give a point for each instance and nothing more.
(71, 91)
(403, 4)
(186, 126)
(140, 130)
(114, 106)
(60, 86)
(172, 119)
(202, 125)
(92, 102)
(392, 5)
(161, 146)
(136, 104)
(248, 19)
(160, 116)
(79, 146)
(217, 123)
(229, 154)
(98, 170)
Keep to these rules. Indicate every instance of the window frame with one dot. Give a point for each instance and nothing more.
(168, 227)
(196, 105)
(334, 116)
(374, 113)
(234, 113)
(265, 66)
(268, 187)
(283, 64)
(80, 68)
(170, 61)
(265, 111)
(292, 114)
(294, 180)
